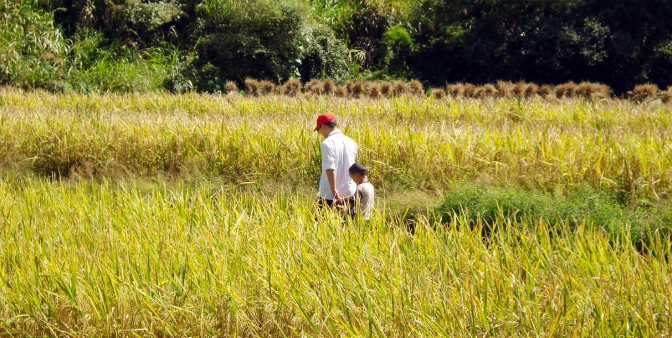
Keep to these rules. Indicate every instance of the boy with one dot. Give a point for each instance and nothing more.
(364, 197)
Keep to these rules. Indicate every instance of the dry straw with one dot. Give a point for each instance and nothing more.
(438, 94)
(505, 88)
(373, 88)
(469, 90)
(644, 92)
(416, 88)
(386, 88)
(357, 89)
(267, 87)
(341, 91)
(329, 86)
(565, 90)
(231, 87)
(292, 88)
(546, 91)
(455, 90)
(666, 96)
(399, 89)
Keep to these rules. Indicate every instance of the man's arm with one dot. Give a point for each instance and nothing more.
(331, 177)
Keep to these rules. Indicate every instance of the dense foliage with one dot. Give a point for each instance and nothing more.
(201, 44)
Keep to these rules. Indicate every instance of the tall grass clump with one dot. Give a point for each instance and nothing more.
(341, 91)
(531, 90)
(590, 90)
(469, 90)
(579, 205)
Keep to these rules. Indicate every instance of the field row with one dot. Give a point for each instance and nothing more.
(94, 259)
(618, 145)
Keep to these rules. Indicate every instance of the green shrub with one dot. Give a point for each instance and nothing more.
(582, 204)
(256, 38)
(398, 48)
(323, 55)
(32, 51)
(132, 23)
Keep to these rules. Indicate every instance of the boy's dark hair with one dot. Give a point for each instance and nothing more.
(358, 168)
(331, 124)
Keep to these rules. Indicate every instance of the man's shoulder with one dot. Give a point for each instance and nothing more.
(349, 140)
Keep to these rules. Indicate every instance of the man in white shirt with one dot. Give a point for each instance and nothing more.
(338, 152)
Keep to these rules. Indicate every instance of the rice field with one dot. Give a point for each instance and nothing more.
(160, 215)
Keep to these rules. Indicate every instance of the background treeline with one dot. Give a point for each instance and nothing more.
(100, 45)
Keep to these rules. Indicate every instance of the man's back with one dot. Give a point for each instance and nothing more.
(339, 152)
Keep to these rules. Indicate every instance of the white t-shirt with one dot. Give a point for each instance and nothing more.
(338, 153)
(365, 199)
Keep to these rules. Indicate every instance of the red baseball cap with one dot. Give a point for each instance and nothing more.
(324, 118)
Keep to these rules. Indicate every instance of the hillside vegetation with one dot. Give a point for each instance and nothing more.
(183, 45)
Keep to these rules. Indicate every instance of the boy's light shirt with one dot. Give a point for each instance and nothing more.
(365, 199)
